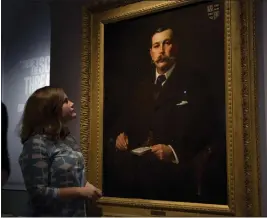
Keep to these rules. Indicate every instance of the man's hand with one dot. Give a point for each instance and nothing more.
(122, 142)
(163, 152)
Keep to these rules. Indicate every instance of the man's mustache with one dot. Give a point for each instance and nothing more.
(164, 58)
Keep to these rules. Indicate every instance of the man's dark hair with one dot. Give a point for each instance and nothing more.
(163, 28)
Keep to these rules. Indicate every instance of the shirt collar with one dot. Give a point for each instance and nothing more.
(167, 74)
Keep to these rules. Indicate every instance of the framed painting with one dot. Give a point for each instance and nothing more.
(169, 108)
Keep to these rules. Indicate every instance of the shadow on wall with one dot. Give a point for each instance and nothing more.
(14, 203)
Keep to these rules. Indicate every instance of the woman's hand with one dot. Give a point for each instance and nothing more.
(90, 191)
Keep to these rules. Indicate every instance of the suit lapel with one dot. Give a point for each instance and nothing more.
(173, 88)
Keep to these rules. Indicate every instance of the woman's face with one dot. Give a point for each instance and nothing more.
(68, 112)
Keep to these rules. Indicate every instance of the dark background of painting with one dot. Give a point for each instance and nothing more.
(127, 60)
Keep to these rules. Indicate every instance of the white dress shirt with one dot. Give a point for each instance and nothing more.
(167, 74)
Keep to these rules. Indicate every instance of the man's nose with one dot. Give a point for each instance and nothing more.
(71, 103)
(162, 49)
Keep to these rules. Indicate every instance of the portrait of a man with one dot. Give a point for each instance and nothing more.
(164, 125)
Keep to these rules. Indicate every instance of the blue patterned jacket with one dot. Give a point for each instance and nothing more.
(47, 166)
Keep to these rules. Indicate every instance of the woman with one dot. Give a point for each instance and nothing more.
(51, 162)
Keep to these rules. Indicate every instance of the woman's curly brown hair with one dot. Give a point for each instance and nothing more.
(43, 113)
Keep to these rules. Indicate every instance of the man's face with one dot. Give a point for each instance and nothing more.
(163, 50)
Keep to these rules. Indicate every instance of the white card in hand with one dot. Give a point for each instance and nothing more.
(140, 151)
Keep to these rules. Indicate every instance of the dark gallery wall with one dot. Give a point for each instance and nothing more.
(10, 13)
(66, 45)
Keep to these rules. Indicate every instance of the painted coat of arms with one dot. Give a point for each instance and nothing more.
(213, 11)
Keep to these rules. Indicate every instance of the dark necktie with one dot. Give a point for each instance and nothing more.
(161, 79)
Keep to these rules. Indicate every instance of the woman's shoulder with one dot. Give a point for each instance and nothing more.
(38, 142)
(71, 141)
(70, 138)
(37, 139)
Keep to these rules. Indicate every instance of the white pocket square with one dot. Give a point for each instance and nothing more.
(182, 103)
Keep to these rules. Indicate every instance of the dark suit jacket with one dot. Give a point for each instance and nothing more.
(190, 129)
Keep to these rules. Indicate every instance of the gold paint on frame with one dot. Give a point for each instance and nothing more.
(241, 111)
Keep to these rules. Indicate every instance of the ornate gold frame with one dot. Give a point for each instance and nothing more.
(241, 107)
